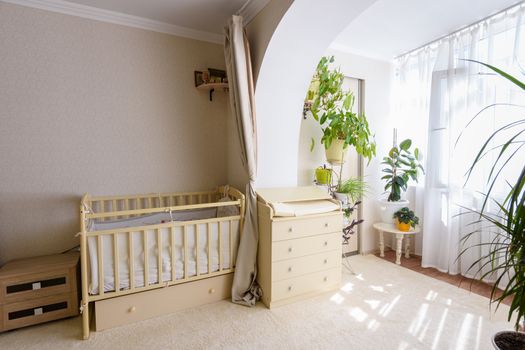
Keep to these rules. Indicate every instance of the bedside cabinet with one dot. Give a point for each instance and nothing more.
(37, 290)
(299, 256)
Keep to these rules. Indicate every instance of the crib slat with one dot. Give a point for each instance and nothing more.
(208, 239)
(131, 262)
(150, 205)
(220, 246)
(146, 258)
(185, 252)
(159, 255)
(173, 261)
(231, 245)
(100, 265)
(197, 262)
(116, 262)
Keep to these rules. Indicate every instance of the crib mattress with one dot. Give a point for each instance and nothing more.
(182, 254)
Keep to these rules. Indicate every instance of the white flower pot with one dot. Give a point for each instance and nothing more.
(387, 209)
(335, 154)
(342, 197)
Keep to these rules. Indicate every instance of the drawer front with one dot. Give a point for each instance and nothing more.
(295, 248)
(26, 313)
(307, 264)
(306, 226)
(34, 286)
(140, 306)
(317, 281)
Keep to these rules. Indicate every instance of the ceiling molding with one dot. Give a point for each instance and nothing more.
(97, 14)
(251, 8)
(352, 51)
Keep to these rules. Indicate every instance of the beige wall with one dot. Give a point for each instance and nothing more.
(261, 28)
(87, 106)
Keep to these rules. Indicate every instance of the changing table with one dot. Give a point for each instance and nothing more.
(299, 243)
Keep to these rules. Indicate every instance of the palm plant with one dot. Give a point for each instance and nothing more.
(506, 252)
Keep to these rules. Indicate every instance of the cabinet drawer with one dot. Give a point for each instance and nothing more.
(26, 313)
(317, 281)
(294, 248)
(140, 306)
(34, 286)
(307, 264)
(306, 226)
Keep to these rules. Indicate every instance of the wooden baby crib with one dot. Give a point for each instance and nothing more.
(145, 243)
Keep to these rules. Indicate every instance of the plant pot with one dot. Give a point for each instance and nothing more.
(387, 209)
(342, 197)
(401, 226)
(323, 176)
(335, 154)
(507, 340)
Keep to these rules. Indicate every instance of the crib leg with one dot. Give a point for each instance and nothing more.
(85, 320)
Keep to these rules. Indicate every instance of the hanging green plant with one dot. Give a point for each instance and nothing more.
(332, 107)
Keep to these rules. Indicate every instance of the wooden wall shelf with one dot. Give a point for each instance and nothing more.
(212, 86)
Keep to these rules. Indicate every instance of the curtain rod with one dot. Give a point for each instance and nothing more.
(461, 29)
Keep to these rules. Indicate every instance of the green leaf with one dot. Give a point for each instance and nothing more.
(312, 144)
(405, 145)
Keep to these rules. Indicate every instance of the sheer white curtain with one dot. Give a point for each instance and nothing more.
(451, 91)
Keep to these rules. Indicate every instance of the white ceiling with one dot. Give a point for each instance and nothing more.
(389, 28)
(203, 15)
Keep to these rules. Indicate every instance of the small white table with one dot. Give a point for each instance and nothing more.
(391, 228)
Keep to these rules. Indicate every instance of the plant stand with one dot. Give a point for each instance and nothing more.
(346, 264)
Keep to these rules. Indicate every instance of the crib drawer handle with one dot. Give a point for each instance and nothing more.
(290, 250)
(211, 291)
(325, 224)
(325, 243)
(290, 229)
(325, 261)
(132, 309)
(289, 288)
(290, 269)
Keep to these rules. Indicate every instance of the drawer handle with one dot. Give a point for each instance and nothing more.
(289, 288)
(290, 250)
(132, 309)
(290, 229)
(290, 269)
(325, 261)
(211, 291)
(325, 243)
(325, 224)
(325, 279)
(38, 311)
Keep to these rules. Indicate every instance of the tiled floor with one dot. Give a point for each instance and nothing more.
(414, 263)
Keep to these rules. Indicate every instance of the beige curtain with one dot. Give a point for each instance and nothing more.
(238, 65)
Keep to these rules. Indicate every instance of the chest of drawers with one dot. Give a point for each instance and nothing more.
(38, 290)
(299, 256)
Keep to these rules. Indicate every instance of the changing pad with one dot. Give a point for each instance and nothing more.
(303, 207)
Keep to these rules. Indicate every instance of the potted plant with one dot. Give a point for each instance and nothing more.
(405, 219)
(323, 176)
(505, 256)
(401, 166)
(352, 189)
(332, 108)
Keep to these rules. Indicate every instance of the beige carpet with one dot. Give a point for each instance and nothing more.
(383, 307)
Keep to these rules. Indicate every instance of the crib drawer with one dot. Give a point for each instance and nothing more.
(304, 226)
(314, 282)
(140, 306)
(26, 313)
(291, 268)
(294, 248)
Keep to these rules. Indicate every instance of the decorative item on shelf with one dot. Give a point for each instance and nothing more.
(332, 107)
(401, 167)
(405, 219)
(210, 80)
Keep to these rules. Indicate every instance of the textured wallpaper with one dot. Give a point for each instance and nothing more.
(87, 106)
